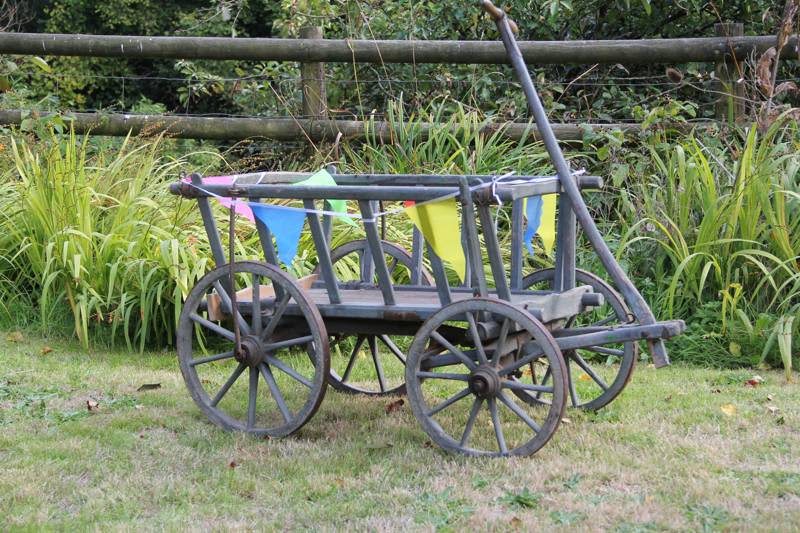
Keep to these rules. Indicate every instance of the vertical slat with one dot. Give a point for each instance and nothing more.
(323, 253)
(374, 241)
(210, 225)
(493, 250)
(468, 271)
(517, 227)
(327, 224)
(565, 246)
(473, 244)
(416, 257)
(439, 277)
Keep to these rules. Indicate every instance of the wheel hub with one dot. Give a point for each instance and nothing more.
(484, 382)
(252, 351)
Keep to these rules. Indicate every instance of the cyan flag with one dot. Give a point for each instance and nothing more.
(533, 212)
(285, 224)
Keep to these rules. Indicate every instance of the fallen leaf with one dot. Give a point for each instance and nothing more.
(46, 350)
(728, 409)
(394, 406)
(515, 522)
(751, 383)
(92, 405)
(137, 406)
(566, 421)
(668, 398)
(772, 409)
(233, 464)
(780, 421)
(769, 397)
(149, 386)
(15, 336)
(757, 379)
(584, 377)
(715, 391)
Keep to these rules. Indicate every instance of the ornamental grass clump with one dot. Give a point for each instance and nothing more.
(97, 231)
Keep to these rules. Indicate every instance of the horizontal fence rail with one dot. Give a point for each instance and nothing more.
(375, 51)
(286, 129)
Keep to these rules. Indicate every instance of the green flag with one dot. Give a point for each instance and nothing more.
(324, 179)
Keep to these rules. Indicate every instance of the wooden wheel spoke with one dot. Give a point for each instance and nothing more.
(359, 343)
(376, 361)
(216, 328)
(573, 394)
(517, 410)
(519, 363)
(501, 341)
(226, 299)
(228, 384)
(276, 317)
(588, 369)
(393, 348)
(256, 312)
(435, 335)
(605, 351)
(211, 358)
(443, 375)
(517, 385)
(473, 415)
(498, 430)
(448, 402)
(251, 400)
(275, 346)
(476, 338)
(393, 266)
(275, 392)
(289, 371)
(547, 375)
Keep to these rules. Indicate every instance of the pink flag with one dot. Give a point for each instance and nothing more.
(241, 208)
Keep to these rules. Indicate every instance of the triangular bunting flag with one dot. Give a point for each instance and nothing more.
(285, 224)
(541, 214)
(324, 179)
(241, 207)
(439, 224)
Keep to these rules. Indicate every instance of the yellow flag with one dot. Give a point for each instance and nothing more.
(547, 231)
(439, 224)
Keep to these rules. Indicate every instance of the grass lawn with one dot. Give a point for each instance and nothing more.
(682, 449)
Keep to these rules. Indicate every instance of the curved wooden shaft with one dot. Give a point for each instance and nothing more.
(632, 296)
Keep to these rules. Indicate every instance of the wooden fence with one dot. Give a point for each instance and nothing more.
(312, 51)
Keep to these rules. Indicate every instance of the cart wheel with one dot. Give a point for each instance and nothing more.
(459, 385)
(595, 375)
(283, 341)
(371, 364)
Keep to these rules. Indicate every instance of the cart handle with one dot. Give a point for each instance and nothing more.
(496, 13)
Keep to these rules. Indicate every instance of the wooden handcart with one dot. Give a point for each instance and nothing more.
(489, 365)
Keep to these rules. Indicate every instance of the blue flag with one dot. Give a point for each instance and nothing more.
(533, 212)
(285, 224)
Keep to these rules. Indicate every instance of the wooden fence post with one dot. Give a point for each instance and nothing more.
(730, 105)
(315, 100)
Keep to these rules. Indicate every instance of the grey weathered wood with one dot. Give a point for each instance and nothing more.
(378, 259)
(285, 129)
(729, 73)
(374, 51)
(517, 230)
(312, 75)
(493, 250)
(323, 253)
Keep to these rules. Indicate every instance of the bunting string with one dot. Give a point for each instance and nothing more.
(437, 218)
